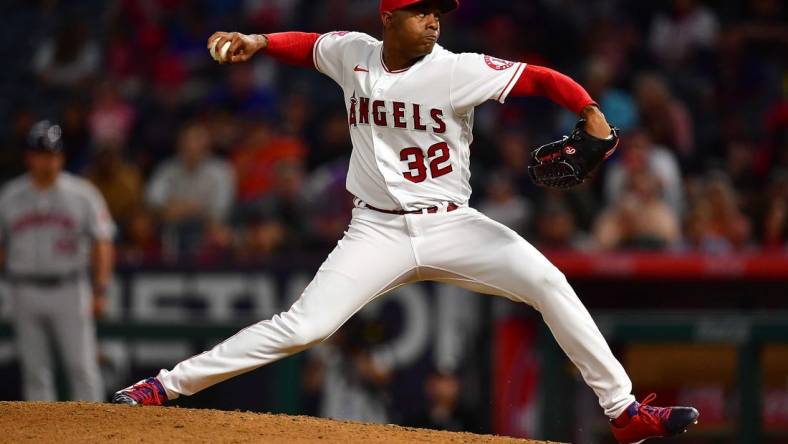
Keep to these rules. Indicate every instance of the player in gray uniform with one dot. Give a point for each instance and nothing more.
(55, 229)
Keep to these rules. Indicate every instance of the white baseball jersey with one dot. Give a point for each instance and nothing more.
(50, 232)
(411, 129)
(411, 132)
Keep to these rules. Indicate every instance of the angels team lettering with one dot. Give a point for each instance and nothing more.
(393, 114)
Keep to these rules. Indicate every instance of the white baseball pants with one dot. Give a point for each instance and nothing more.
(380, 252)
(62, 317)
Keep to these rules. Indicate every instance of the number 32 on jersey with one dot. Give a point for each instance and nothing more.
(437, 158)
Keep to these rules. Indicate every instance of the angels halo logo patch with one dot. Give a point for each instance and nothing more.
(498, 64)
(569, 150)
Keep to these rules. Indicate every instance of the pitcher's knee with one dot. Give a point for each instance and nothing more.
(549, 285)
(554, 279)
(308, 334)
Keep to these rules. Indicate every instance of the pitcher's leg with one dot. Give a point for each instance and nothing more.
(504, 264)
(372, 258)
(578, 335)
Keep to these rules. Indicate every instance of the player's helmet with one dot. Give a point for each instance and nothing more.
(45, 137)
(392, 5)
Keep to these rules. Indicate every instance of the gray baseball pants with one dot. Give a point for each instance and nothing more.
(56, 316)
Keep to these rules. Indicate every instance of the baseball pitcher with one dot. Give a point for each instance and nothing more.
(55, 229)
(410, 106)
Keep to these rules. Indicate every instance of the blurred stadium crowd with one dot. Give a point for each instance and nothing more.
(207, 163)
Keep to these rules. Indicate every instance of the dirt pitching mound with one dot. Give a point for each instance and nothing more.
(92, 423)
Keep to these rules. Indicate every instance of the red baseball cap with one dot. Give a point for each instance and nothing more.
(393, 5)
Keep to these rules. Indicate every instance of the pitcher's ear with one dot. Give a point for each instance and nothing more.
(386, 18)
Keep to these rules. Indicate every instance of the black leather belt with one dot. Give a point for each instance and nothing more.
(44, 280)
(431, 210)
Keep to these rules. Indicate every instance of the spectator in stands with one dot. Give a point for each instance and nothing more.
(187, 39)
(699, 235)
(70, 59)
(689, 27)
(191, 192)
(502, 204)
(581, 201)
(269, 14)
(727, 218)
(443, 410)
(330, 204)
(141, 244)
(119, 54)
(664, 116)
(227, 130)
(257, 154)
(11, 160)
(761, 29)
(75, 133)
(740, 166)
(513, 148)
(119, 181)
(296, 113)
(343, 378)
(774, 152)
(111, 117)
(639, 219)
(616, 38)
(259, 238)
(618, 104)
(775, 224)
(217, 246)
(555, 228)
(332, 142)
(280, 218)
(715, 223)
(499, 36)
(642, 156)
(244, 93)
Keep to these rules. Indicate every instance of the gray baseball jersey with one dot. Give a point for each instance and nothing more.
(50, 232)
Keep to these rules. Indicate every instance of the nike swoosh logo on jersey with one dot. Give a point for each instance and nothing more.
(360, 68)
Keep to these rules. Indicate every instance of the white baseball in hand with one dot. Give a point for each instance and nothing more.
(222, 56)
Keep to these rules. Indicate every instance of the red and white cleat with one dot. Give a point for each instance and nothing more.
(146, 392)
(641, 421)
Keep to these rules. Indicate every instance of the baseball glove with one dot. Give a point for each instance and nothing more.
(568, 162)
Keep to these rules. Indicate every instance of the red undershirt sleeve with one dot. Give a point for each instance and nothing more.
(561, 89)
(293, 48)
